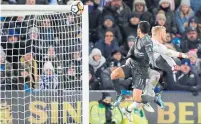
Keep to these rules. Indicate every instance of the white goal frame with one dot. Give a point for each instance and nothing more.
(20, 10)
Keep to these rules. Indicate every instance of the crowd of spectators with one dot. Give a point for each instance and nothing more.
(112, 31)
(35, 53)
(116, 31)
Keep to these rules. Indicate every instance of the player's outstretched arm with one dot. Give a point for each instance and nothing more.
(173, 53)
(163, 50)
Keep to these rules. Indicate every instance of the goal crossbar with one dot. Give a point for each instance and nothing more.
(16, 10)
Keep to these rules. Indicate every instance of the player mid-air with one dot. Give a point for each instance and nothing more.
(140, 57)
(164, 61)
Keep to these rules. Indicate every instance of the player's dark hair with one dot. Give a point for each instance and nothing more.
(144, 26)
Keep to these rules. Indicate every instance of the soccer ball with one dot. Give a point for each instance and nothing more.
(77, 7)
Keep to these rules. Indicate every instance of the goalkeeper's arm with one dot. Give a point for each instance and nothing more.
(167, 54)
(171, 53)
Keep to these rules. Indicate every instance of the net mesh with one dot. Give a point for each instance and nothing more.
(41, 69)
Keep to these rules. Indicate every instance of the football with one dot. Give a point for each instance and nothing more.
(77, 7)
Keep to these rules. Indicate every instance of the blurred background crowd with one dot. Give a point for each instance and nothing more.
(112, 31)
(36, 53)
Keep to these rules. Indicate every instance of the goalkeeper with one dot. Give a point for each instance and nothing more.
(140, 56)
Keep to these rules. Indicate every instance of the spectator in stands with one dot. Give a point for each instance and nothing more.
(94, 83)
(151, 4)
(72, 74)
(30, 64)
(46, 31)
(170, 44)
(97, 61)
(25, 79)
(195, 62)
(21, 26)
(13, 36)
(18, 23)
(102, 113)
(183, 14)
(187, 79)
(33, 2)
(52, 57)
(69, 27)
(73, 69)
(130, 28)
(116, 56)
(33, 33)
(161, 20)
(75, 56)
(109, 24)
(191, 41)
(119, 10)
(196, 5)
(126, 47)
(194, 22)
(49, 79)
(13, 48)
(176, 41)
(34, 42)
(164, 5)
(6, 72)
(94, 19)
(140, 7)
(30, 2)
(108, 44)
(106, 82)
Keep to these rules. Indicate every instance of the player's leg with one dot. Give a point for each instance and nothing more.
(164, 66)
(158, 99)
(120, 72)
(139, 82)
(137, 93)
(154, 77)
(115, 75)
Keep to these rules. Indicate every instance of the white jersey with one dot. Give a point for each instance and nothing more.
(161, 50)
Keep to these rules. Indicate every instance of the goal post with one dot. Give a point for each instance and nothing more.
(85, 49)
(49, 48)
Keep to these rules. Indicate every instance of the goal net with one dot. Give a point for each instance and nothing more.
(43, 54)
